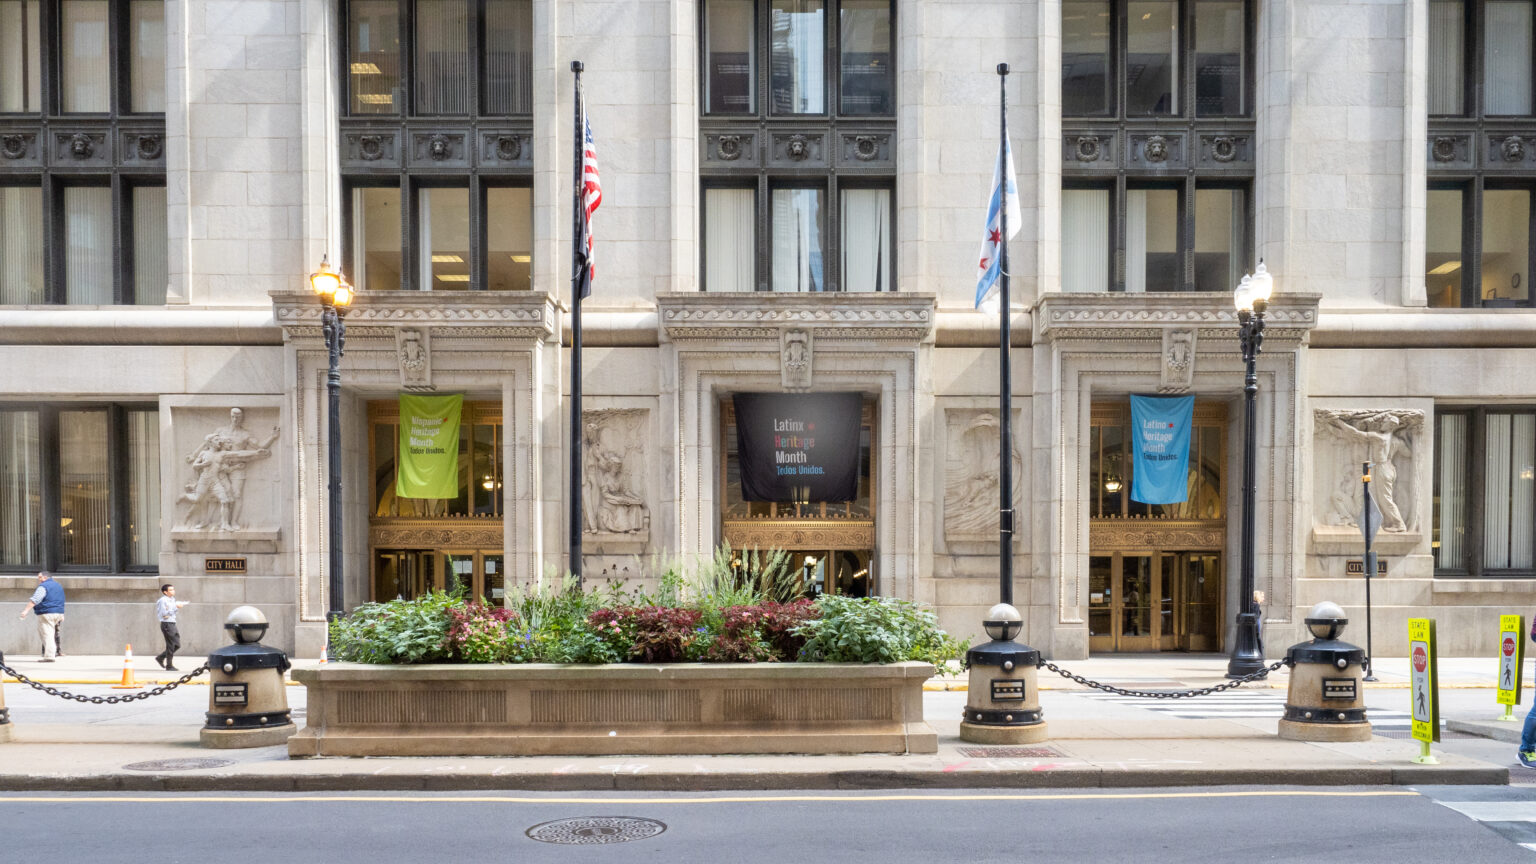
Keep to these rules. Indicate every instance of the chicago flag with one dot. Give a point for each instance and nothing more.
(991, 247)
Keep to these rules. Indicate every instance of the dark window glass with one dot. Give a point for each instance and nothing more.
(509, 57)
(374, 56)
(1085, 57)
(442, 57)
(865, 48)
(20, 57)
(730, 58)
(1220, 61)
(1152, 58)
(1442, 258)
(798, 83)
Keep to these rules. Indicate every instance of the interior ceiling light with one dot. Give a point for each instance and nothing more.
(1447, 267)
(522, 259)
(453, 277)
(447, 259)
(375, 98)
(365, 69)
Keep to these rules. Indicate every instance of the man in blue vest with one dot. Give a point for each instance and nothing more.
(48, 602)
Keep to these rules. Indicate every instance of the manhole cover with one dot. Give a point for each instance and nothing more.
(590, 830)
(178, 764)
(1011, 752)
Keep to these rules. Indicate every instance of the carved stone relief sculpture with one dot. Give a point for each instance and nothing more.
(413, 348)
(613, 464)
(795, 357)
(219, 465)
(971, 476)
(1388, 440)
(1178, 361)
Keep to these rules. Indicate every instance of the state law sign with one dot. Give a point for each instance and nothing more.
(1424, 687)
(1511, 658)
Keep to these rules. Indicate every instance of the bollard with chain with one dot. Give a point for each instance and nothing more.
(5, 715)
(1167, 694)
(247, 705)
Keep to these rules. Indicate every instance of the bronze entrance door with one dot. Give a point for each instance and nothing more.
(1155, 571)
(1154, 600)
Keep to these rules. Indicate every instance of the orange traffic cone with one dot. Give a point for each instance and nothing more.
(127, 683)
(322, 655)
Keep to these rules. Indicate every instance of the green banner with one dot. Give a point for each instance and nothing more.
(429, 446)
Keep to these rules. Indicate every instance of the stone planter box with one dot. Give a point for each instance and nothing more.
(631, 709)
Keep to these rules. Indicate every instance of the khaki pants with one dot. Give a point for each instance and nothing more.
(46, 625)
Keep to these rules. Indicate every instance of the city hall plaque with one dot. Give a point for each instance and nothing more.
(223, 565)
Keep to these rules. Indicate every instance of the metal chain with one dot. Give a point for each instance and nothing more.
(1167, 694)
(103, 700)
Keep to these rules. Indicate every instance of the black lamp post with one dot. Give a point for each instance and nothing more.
(335, 295)
(1251, 299)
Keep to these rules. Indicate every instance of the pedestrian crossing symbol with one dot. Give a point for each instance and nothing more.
(1511, 658)
(1425, 684)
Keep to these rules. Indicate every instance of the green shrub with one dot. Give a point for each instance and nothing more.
(875, 630)
(400, 631)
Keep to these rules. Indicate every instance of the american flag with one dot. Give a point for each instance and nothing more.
(591, 197)
(991, 247)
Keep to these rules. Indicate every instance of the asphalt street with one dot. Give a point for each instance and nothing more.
(1362, 826)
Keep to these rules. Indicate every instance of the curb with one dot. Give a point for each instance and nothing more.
(1494, 730)
(1083, 778)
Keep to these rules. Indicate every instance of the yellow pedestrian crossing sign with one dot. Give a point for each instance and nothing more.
(1511, 657)
(1424, 690)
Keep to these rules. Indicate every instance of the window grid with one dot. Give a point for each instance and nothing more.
(82, 102)
(79, 487)
(1481, 120)
(1484, 515)
(797, 108)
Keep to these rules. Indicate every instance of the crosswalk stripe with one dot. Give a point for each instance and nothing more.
(1495, 811)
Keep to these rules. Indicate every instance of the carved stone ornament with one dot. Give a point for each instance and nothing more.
(1444, 148)
(81, 146)
(971, 476)
(219, 468)
(1512, 149)
(1178, 361)
(798, 148)
(13, 146)
(1089, 148)
(509, 148)
(370, 147)
(613, 465)
(728, 147)
(795, 359)
(439, 147)
(414, 350)
(150, 147)
(866, 147)
(1224, 149)
(1156, 149)
(1386, 439)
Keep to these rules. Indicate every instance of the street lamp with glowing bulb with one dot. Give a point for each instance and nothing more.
(335, 296)
(1251, 299)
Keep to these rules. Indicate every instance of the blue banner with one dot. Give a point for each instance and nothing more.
(1160, 448)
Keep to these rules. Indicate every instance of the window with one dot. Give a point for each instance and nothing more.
(1485, 492)
(1157, 146)
(798, 114)
(82, 128)
(1480, 160)
(68, 475)
(480, 466)
(436, 152)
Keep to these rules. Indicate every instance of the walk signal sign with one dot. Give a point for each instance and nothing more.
(1511, 657)
(1425, 691)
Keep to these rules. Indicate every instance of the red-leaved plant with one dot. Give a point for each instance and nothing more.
(478, 633)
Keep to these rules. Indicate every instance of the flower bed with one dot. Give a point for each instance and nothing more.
(712, 666)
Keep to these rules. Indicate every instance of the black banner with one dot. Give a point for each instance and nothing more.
(798, 446)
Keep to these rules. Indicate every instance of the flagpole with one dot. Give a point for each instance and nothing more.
(578, 268)
(1005, 369)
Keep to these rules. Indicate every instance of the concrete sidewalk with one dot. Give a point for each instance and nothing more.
(1095, 741)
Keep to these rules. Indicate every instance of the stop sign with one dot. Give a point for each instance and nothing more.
(1420, 658)
(1509, 647)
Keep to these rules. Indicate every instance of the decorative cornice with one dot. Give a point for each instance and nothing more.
(1141, 316)
(886, 317)
(467, 313)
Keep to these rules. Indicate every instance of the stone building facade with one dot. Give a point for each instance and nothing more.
(793, 194)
